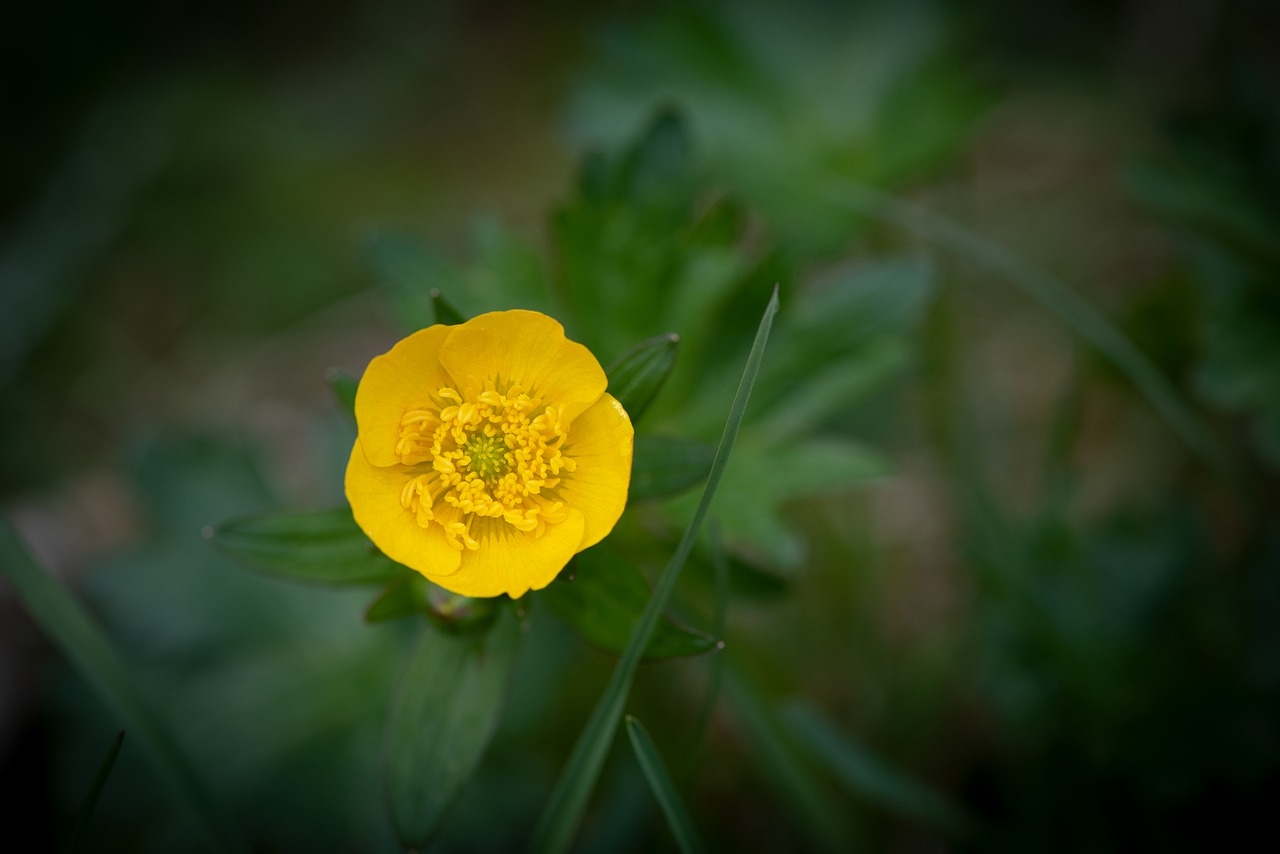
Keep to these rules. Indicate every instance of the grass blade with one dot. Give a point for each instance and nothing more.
(720, 566)
(868, 776)
(83, 643)
(81, 819)
(563, 812)
(1090, 324)
(663, 788)
(823, 822)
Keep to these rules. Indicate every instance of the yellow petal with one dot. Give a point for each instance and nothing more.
(374, 493)
(509, 561)
(407, 377)
(599, 443)
(523, 348)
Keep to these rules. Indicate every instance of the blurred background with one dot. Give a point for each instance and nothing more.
(1005, 562)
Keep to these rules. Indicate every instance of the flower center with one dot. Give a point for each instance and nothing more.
(487, 456)
(495, 457)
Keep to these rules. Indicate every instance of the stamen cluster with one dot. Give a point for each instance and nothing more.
(492, 457)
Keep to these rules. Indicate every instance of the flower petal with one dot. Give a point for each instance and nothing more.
(374, 493)
(509, 561)
(599, 443)
(404, 378)
(528, 349)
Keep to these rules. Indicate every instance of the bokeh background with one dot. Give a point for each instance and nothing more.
(1036, 604)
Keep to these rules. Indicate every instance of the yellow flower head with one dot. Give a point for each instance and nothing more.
(488, 453)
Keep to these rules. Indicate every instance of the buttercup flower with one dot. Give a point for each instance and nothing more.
(488, 453)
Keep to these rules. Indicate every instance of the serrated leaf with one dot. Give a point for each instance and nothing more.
(323, 547)
(604, 601)
(663, 788)
(441, 721)
(343, 385)
(663, 466)
(637, 377)
(793, 470)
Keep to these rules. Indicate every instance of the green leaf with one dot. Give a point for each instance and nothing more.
(83, 643)
(605, 599)
(323, 547)
(81, 820)
(563, 812)
(637, 377)
(343, 385)
(444, 311)
(868, 776)
(795, 469)
(441, 721)
(655, 772)
(662, 466)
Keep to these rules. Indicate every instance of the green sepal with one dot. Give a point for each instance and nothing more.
(444, 311)
(412, 595)
(637, 376)
(601, 597)
(662, 466)
(322, 547)
(396, 601)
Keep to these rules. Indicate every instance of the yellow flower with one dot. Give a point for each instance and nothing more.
(488, 453)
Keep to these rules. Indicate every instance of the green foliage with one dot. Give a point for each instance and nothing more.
(637, 377)
(663, 466)
(83, 642)
(76, 836)
(1217, 187)
(323, 547)
(602, 599)
(441, 720)
(663, 787)
(563, 812)
(867, 775)
(783, 100)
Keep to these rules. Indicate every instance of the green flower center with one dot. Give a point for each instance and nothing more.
(488, 456)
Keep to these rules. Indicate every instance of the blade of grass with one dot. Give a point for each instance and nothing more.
(1090, 324)
(69, 626)
(563, 812)
(720, 565)
(664, 790)
(825, 824)
(81, 819)
(868, 776)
